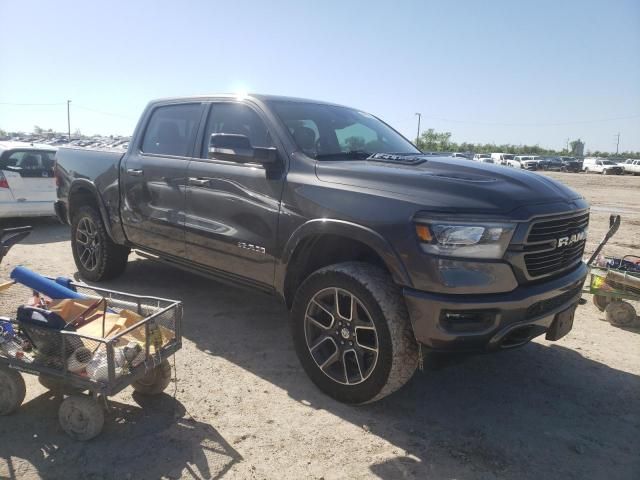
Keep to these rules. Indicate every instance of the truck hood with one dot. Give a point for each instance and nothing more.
(447, 184)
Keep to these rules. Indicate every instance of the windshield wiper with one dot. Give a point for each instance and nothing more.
(350, 155)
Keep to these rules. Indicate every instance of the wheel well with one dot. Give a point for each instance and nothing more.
(80, 197)
(318, 251)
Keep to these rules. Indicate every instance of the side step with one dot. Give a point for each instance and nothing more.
(222, 277)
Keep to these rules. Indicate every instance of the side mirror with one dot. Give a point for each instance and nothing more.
(237, 148)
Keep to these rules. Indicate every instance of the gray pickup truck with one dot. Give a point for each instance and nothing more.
(379, 251)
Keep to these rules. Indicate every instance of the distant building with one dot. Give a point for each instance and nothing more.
(577, 148)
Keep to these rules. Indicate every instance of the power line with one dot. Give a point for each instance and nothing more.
(31, 104)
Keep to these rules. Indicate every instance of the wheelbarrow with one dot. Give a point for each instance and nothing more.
(85, 369)
(614, 282)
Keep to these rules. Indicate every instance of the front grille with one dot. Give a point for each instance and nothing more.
(545, 306)
(558, 258)
(552, 229)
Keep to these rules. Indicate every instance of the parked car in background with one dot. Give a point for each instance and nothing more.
(601, 165)
(502, 158)
(482, 157)
(625, 163)
(553, 164)
(526, 162)
(27, 184)
(633, 168)
(570, 164)
(460, 155)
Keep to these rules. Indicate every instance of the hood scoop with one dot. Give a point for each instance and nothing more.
(394, 158)
(463, 177)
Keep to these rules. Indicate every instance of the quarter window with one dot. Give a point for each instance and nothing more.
(172, 130)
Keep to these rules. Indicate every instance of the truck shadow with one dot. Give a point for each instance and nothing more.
(492, 415)
(150, 440)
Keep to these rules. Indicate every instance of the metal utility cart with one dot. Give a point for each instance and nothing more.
(56, 356)
(614, 285)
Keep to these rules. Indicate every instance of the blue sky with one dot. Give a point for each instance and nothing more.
(491, 71)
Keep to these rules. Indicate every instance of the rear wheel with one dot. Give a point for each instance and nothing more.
(621, 314)
(96, 255)
(352, 332)
(155, 381)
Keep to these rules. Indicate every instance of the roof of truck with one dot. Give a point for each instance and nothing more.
(242, 96)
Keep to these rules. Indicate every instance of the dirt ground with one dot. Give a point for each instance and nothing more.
(245, 409)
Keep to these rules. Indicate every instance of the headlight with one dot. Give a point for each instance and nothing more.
(465, 239)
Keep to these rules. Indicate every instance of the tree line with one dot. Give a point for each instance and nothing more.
(433, 141)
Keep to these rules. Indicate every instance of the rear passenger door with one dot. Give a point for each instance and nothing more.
(29, 174)
(154, 178)
(232, 208)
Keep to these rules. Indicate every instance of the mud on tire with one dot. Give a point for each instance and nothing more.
(376, 296)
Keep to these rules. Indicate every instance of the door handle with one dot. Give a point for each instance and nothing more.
(135, 172)
(199, 182)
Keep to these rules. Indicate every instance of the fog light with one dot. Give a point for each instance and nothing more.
(467, 321)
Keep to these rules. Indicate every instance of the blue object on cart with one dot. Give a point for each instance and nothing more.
(6, 329)
(42, 284)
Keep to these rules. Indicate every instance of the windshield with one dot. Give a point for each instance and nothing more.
(607, 162)
(328, 131)
(508, 157)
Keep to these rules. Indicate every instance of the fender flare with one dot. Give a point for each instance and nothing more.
(83, 183)
(343, 228)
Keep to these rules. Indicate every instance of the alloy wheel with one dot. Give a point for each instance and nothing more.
(88, 242)
(341, 336)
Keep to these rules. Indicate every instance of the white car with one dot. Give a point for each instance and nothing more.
(633, 168)
(626, 163)
(27, 184)
(601, 165)
(502, 158)
(482, 157)
(526, 162)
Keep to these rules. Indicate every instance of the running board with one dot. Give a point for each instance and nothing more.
(221, 277)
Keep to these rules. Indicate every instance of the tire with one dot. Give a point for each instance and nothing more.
(12, 391)
(360, 361)
(155, 381)
(601, 302)
(81, 417)
(97, 257)
(620, 314)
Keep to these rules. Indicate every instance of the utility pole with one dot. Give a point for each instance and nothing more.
(68, 120)
(418, 134)
(617, 143)
(568, 147)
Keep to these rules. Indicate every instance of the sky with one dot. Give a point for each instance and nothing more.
(535, 72)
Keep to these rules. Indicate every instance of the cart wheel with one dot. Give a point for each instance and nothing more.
(156, 381)
(12, 391)
(81, 417)
(57, 386)
(621, 314)
(601, 302)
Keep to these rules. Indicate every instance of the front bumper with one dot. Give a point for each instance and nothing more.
(508, 319)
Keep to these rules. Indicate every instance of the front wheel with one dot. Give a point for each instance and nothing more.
(96, 255)
(12, 391)
(352, 332)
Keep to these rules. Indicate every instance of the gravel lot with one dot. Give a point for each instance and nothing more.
(244, 408)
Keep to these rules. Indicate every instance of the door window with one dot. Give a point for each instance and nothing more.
(238, 119)
(172, 130)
